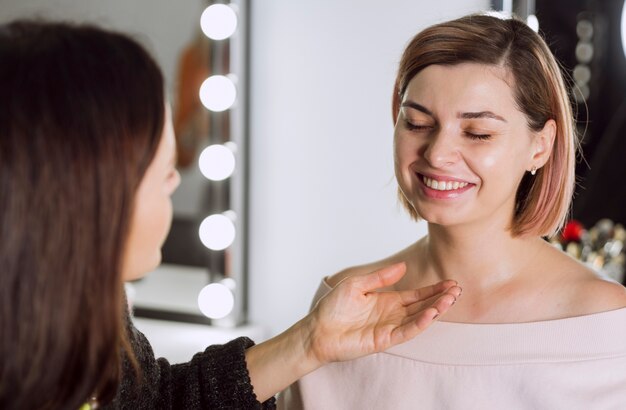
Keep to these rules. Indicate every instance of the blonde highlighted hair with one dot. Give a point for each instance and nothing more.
(542, 201)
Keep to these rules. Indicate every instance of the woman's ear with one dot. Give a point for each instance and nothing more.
(543, 143)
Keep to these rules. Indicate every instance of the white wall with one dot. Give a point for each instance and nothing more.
(322, 189)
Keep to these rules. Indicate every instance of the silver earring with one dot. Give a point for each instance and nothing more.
(533, 170)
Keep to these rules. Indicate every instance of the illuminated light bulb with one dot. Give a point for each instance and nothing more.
(533, 22)
(502, 15)
(218, 21)
(581, 93)
(581, 74)
(217, 162)
(218, 93)
(217, 232)
(584, 30)
(584, 52)
(216, 301)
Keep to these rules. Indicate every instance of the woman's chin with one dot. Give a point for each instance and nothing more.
(139, 271)
(439, 218)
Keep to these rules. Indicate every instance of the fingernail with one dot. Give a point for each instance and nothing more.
(436, 316)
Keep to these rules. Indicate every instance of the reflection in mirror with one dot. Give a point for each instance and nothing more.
(215, 194)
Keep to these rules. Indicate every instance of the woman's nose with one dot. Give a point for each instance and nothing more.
(441, 149)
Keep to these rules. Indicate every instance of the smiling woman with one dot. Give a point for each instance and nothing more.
(462, 142)
(484, 152)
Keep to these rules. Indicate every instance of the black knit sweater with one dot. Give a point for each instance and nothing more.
(214, 379)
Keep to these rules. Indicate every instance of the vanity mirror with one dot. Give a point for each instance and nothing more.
(201, 46)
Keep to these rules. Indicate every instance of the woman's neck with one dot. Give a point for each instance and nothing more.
(479, 258)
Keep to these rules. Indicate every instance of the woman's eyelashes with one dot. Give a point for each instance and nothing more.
(429, 127)
(417, 127)
(476, 136)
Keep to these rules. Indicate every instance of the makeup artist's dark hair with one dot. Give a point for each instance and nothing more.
(81, 115)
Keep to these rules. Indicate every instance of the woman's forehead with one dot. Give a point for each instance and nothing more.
(469, 83)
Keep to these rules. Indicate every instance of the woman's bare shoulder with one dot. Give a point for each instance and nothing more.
(590, 292)
(599, 294)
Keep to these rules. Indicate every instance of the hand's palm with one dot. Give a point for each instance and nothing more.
(365, 322)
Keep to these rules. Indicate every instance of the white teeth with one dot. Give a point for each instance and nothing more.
(443, 185)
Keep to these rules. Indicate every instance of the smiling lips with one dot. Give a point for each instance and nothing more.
(443, 185)
(443, 189)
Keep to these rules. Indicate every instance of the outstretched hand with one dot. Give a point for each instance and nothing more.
(355, 319)
(352, 320)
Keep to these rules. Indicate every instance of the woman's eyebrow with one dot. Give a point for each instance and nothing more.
(463, 115)
(418, 107)
(481, 114)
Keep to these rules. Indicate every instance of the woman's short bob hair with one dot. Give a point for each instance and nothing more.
(542, 201)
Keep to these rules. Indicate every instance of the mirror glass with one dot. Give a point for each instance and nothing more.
(171, 31)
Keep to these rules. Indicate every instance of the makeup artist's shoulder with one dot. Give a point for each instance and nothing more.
(359, 270)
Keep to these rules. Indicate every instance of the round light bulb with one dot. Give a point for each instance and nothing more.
(533, 22)
(217, 232)
(581, 74)
(217, 162)
(581, 93)
(218, 93)
(584, 30)
(216, 301)
(501, 14)
(218, 21)
(584, 52)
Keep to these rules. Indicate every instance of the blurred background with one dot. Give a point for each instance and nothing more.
(288, 175)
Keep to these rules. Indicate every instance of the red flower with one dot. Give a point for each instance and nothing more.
(572, 232)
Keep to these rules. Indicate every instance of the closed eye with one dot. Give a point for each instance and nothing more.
(477, 136)
(417, 127)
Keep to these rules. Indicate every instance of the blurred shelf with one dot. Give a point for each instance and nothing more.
(178, 342)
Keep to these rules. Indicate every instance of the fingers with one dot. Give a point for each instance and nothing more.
(379, 279)
(442, 303)
(417, 321)
(416, 295)
(417, 324)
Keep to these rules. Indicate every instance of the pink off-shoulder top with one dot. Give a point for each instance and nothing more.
(572, 363)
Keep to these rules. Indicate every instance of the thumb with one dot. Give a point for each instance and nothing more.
(379, 279)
